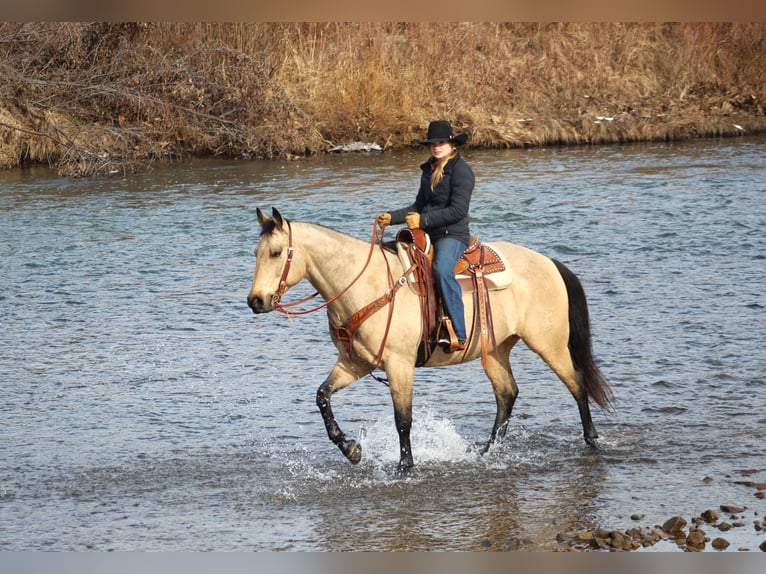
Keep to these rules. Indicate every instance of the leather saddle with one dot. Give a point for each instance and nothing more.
(414, 247)
(480, 269)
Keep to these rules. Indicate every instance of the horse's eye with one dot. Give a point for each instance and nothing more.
(276, 254)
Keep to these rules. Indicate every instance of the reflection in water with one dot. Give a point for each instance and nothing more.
(482, 505)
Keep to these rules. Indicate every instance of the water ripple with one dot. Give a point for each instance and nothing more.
(145, 408)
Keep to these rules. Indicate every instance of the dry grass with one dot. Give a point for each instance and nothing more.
(112, 98)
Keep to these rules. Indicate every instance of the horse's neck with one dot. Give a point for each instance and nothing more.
(334, 260)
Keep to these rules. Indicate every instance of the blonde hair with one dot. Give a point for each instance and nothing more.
(438, 173)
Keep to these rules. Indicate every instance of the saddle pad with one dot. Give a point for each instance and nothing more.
(497, 273)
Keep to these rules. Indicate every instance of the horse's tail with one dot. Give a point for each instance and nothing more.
(595, 383)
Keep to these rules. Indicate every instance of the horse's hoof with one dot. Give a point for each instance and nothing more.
(592, 441)
(353, 452)
(404, 470)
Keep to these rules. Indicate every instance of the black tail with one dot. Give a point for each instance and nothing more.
(594, 381)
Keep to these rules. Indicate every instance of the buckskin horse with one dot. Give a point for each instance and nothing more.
(362, 286)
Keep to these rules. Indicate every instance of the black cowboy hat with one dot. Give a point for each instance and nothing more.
(441, 131)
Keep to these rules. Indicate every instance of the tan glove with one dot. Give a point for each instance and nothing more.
(384, 219)
(413, 220)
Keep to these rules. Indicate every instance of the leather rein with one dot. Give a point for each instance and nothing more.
(346, 332)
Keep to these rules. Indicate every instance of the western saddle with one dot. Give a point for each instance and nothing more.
(477, 262)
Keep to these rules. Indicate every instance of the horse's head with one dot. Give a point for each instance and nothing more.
(272, 267)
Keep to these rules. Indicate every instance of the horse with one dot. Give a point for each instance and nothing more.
(544, 305)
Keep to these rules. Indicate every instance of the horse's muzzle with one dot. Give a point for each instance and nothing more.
(260, 304)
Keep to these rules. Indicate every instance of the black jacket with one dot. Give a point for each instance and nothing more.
(443, 211)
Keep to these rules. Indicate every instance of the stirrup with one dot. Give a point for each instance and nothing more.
(459, 345)
(452, 344)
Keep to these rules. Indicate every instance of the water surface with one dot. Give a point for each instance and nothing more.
(145, 408)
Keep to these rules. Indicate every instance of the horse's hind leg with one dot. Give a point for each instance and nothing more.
(498, 369)
(341, 376)
(573, 380)
(562, 365)
(589, 430)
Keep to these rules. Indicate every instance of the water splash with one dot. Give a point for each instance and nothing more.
(434, 440)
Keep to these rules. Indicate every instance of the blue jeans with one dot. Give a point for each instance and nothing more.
(447, 251)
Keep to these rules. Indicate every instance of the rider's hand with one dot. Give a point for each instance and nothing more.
(384, 219)
(413, 220)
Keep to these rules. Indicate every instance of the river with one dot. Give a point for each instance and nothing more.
(146, 408)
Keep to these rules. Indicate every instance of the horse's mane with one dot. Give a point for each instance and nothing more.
(270, 225)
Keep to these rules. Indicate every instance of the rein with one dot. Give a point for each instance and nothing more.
(345, 333)
(283, 280)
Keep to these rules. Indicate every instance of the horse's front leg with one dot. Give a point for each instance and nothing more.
(400, 382)
(341, 376)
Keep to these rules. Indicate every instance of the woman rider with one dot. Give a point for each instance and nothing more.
(441, 209)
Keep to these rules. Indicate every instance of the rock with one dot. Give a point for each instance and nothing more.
(598, 543)
(763, 546)
(720, 543)
(601, 533)
(635, 533)
(760, 486)
(710, 516)
(641, 536)
(732, 509)
(673, 525)
(646, 542)
(696, 539)
(616, 539)
(760, 494)
(565, 537)
(355, 147)
(724, 526)
(637, 517)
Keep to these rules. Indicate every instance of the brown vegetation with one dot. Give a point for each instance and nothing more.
(100, 98)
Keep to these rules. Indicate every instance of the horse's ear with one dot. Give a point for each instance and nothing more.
(263, 219)
(277, 217)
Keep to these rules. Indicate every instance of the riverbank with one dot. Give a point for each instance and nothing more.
(112, 98)
(710, 530)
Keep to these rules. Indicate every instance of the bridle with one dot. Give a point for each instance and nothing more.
(283, 279)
